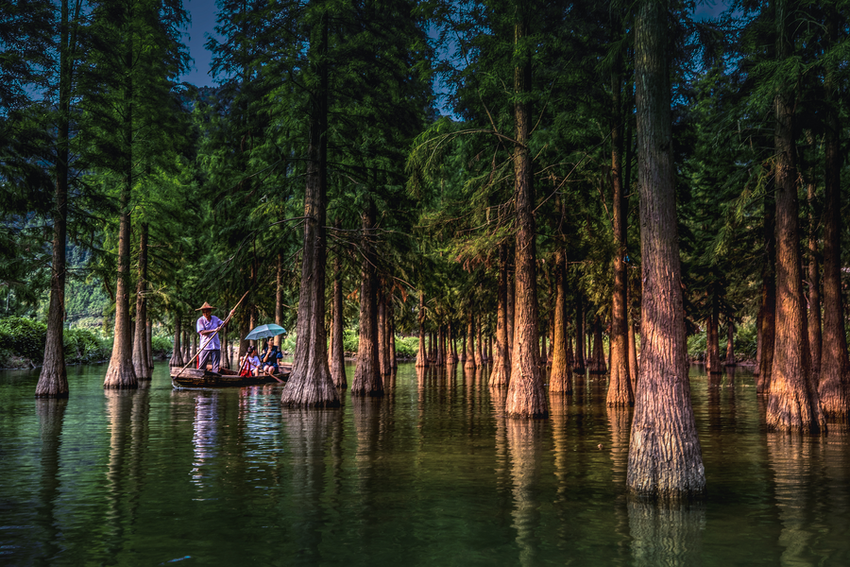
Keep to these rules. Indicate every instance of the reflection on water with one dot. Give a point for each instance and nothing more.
(432, 473)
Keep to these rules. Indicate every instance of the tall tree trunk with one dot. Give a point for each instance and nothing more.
(619, 385)
(526, 397)
(793, 400)
(140, 359)
(53, 379)
(337, 365)
(599, 365)
(835, 370)
(580, 363)
(383, 358)
(421, 354)
(633, 362)
(177, 350)
(120, 373)
(278, 297)
(767, 312)
(814, 285)
(665, 459)
(310, 383)
(560, 376)
(367, 374)
(479, 344)
(511, 304)
(501, 365)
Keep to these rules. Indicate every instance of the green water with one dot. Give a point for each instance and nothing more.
(430, 475)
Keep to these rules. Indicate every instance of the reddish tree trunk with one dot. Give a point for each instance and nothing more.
(713, 338)
(367, 374)
(421, 353)
(470, 342)
(665, 459)
(337, 363)
(814, 286)
(310, 383)
(580, 363)
(793, 401)
(730, 343)
(526, 397)
(561, 373)
(767, 313)
(501, 363)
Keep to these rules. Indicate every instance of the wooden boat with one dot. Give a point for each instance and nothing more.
(198, 378)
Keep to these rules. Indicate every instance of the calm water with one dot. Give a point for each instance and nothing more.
(430, 475)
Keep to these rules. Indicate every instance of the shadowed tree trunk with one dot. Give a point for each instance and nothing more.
(730, 343)
(633, 362)
(580, 363)
(479, 344)
(310, 383)
(140, 349)
(526, 397)
(598, 365)
(421, 354)
(367, 374)
(665, 459)
(713, 338)
(278, 301)
(337, 365)
(561, 373)
(383, 355)
(177, 350)
(511, 303)
(793, 399)
(53, 379)
(833, 383)
(814, 286)
(501, 365)
(767, 313)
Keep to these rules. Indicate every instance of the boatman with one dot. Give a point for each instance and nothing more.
(208, 326)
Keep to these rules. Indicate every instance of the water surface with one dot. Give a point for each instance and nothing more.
(430, 475)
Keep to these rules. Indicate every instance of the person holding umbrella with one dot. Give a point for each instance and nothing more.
(208, 326)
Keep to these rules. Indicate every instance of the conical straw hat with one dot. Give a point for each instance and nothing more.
(205, 306)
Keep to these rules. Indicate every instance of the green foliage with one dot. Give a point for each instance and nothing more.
(84, 346)
(406, 347)
(23, 337)
(350, 340)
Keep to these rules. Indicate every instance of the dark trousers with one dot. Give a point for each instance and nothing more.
(212, 357)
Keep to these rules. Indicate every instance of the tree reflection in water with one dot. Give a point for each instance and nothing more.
(51, 416)
(205, 436)
(666, 534)
(524, 438)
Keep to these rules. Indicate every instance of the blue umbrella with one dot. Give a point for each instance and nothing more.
(265, 331)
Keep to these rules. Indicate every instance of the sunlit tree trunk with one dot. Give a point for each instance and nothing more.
(793, 399)
(665, 459)
(310, 383)
(367, 374)
(560, 376)
(500, 373)
(526, 397)
(470, 342)
(833, 383)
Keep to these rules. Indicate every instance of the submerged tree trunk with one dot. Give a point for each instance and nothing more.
(53, 378)
(310, 383)
(470, 342)
(730, 343)
(140, 348)
(500, 373)
(835, 369)
(580, 363)
(177, 350)
(665, 459)
(421, 354)
(526, 397)
(793, 400)
(560, 376)
(713, 338)
(367, 374)
(337, 365)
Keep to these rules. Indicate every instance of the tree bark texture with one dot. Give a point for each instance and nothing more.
(177, 349)
(633, 361)
(500, 373)
(833, 383)
(580, 360)
(53, 378)
(713, 338)
(310, 383)
(526, 396)
(367, 374)
(337, 365)
(470, 342)
(665, 458)
(598, 364)
(140, 349)
(730, 343)
(793, 400)
(814, 285)
(560, 376)
(383, 355)
(767, 313)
